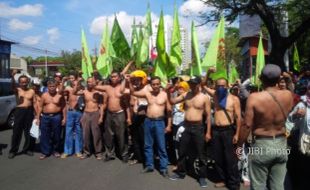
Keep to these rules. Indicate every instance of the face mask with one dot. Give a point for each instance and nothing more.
(222, 96)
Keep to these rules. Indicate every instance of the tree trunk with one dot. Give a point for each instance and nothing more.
(276, 57)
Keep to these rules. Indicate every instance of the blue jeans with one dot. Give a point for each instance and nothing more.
(155, 130)
(50, 126)
(73, 133)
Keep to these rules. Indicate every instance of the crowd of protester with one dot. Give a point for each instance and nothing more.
(203, 128)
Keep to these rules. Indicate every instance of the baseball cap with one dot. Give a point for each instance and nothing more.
(195, 80)
(271, 72)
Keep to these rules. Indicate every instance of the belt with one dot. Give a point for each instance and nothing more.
(193, 122)
(50, 114)
(269, 137)
(223, 127)
(156, 118)
(120, 111)
(72, 109)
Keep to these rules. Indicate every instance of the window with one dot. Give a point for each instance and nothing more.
(6, 87)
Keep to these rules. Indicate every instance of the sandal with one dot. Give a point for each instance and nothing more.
(56, 154)
(84, 156)
(99, 157)
(42, 157)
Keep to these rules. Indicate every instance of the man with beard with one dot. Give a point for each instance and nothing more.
(50, 117)
(24, 114)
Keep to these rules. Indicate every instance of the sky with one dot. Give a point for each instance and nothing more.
(56, 25)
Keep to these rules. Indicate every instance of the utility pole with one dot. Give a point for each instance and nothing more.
(46, 71)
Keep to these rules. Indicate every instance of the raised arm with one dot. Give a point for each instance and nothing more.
(124, 71)
(13, 83)
(140, 94)
(102, 88)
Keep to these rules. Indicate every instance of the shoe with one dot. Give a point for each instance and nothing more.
(164, 174)
(29, 153)
(63, 156)
(11, 155)
(42, 157)
(202, 182)
(219, 185)
(108, 158)
(176, 176)
(148, 170)
(78, 155)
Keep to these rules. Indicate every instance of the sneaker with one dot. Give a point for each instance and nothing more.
(11, 155)
(202, 182)
(132, 162)
(56, 155)
(148, 170)
(176, 176)
(63, 156)
(42, 157)
(164, 174)
(99, 157)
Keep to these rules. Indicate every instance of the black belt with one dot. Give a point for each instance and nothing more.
(72, 109)
(51, 114)
(269, 137)
(156, 118)
(223, 127)
(193, 122)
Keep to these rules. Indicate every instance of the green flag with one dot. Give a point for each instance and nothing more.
(260, 60)
(196, 65)
(162, 58)
(119, 42)
(297, 66)
(143, 49)
(233, 74)
(175, 50)
(87, 67)
(211, 55)
(218, 53)
(149, 21)
(134, 39)
(104, 62)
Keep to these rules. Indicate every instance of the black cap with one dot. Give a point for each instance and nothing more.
(195, 80)
(271, 72)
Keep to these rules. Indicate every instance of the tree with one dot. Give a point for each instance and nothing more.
(271, 13)
(72, 61)
(232, 51)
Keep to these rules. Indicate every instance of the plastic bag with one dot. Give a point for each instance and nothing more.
(35, 131)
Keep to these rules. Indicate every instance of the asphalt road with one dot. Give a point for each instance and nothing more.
(24, 172)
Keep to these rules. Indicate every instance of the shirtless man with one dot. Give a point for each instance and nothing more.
(73, 125)
(92, 118)
(154, 124)
(115, 122)
(195, 104)
(50, 117)
(224, 134)
(24, 114)
(265, 116)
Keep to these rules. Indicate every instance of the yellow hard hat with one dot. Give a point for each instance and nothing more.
(184, 85)
(140, 74)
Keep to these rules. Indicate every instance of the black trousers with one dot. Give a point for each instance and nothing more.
(226, 161)
(115, 129)
(137, 133)
(193, 134)
(22, 123)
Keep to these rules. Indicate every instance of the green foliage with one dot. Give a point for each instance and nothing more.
(72, 61)
(232, 51)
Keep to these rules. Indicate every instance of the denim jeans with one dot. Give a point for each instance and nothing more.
(74, 136)
(154, 130)
(50, 127)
